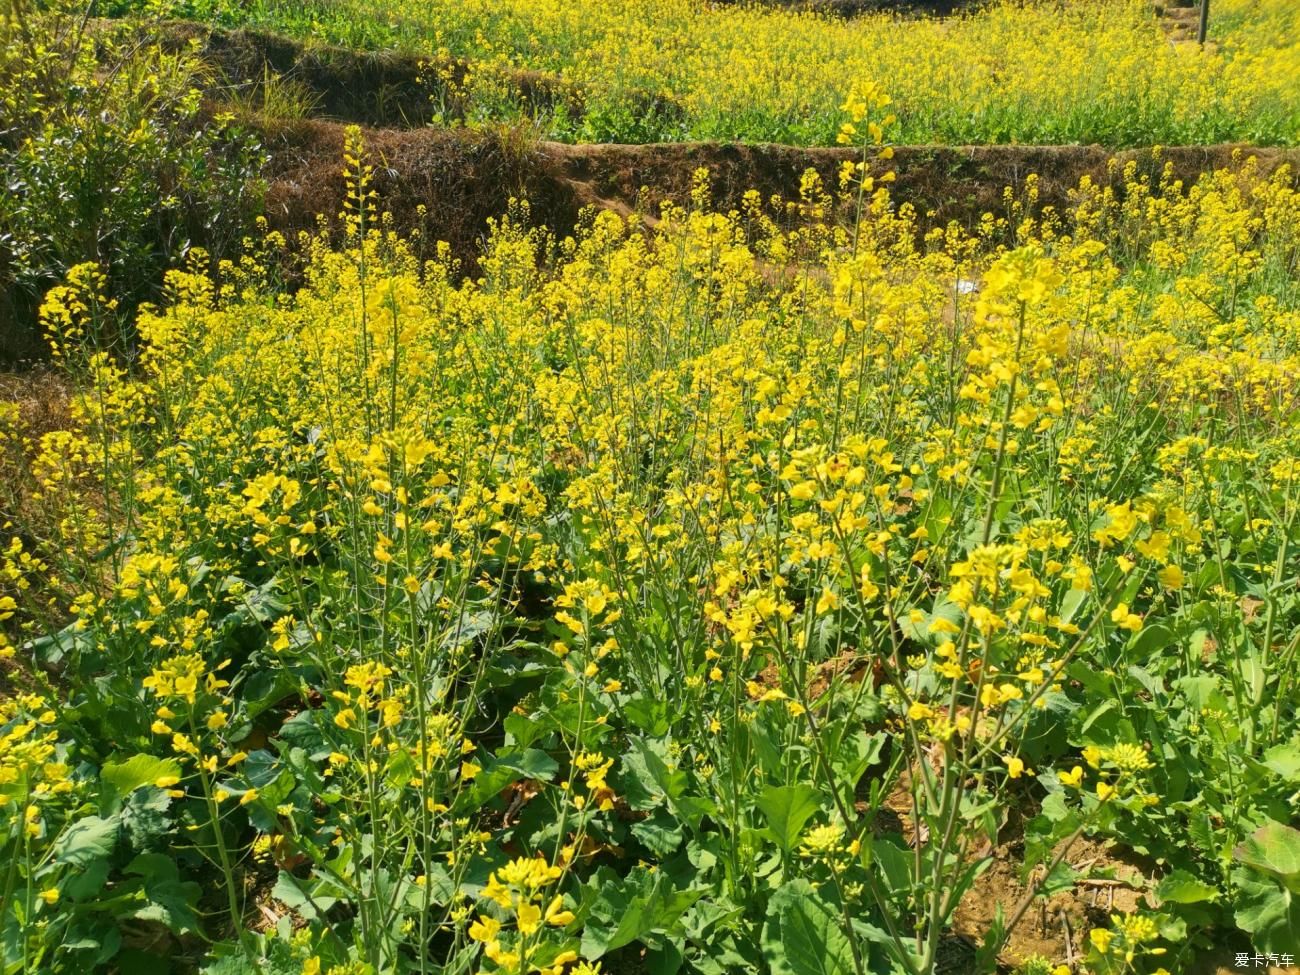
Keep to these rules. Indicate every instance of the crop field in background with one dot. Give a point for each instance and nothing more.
(662, 70)
(789, 582)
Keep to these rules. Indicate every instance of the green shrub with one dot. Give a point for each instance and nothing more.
(108, 155)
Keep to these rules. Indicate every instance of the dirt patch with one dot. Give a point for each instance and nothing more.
(1057, 927)
(437, 184)
(1111, 880)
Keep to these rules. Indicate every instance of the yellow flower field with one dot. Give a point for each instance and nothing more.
(651, 70)
(708, 597)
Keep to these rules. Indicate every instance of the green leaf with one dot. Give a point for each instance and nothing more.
(138, 771)
(506, 769)
(400, 769)
(532, 763)
(1202, 691)
(918, 629)
(1151, 640)
(86, 840)
(1062, 877)
(665, 960)
(1273, 849)
(85, 884)
(630, 909)
(1097, 712)
(1284, 760)
(1269, 912)
(647, 779)
(787, 808)
(894, 860)
(302, 731)
(145, 821)
(803, 936)
(1180, 887)
(1071, 602)
(441, 887)
(691, 809)
(522, 730)
(1150, 684)
(858, 750)
(290, 891)
(264, 689)
(648, 713)
(171, 901)
(661, 835)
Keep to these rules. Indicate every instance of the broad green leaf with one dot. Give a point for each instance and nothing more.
(662, 835)
(648, 714)
(533, 763)
(664, 960)
(803, 934)
(1202, 691)
(1284, 760)
(1268, 911)
(1062, 877)
(506, 769)
(1273, 849)
(1071, 602)
(522, 730)
(1151, 639)
(290, 890)
(787, 808)
(145, 819)
(858, 750)
(919, 629)
(441, 887)
(302, 731)
(1180, 887)
(1149, 683)
(629, 909)
(86, 840)
(895, 861)
(1254, 672)
(139, 771)
(400, 769)
(647, 778)
(267, 688)
(85, 884)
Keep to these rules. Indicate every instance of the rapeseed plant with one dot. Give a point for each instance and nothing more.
(607, 605)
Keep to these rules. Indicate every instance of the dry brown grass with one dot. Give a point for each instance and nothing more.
(42, 396)
(43, 401)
